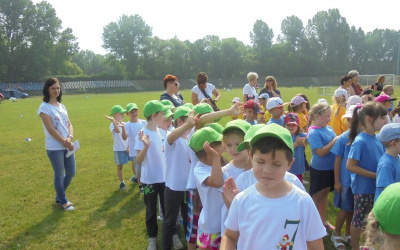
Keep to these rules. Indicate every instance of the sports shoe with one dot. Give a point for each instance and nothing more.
(122, 186)
(176, 242)
(141, 189)
(134, 179)
(57, 202)
(68, 208)
(152, 244)
(160, 218)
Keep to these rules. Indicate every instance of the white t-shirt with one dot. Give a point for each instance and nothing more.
(248, 179)
(229, 170)
(191, 183)
(396, 119)
(250, 91)
(154, 164)
(178, 164)
(265, 223)
(211, 199)
(209, 89)
(59, 119)
(119, 143)
(132, 129)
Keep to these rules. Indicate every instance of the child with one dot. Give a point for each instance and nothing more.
(178, 167)
(362, 162)
(338, 109)
(388, 170)
(386, 102)
(262, 100)
(206, 142)
(150, 146)
(299, 142)
(273, 213)
(321, 138)
(383, 222)
(132, 128)
(120, 137)
(298, 105)
(251, 110)
(275, 107)
(343, 198)
(239, 116)
(232, 136)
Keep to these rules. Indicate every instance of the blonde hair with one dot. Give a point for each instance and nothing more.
(251, 76)
(380, 79)
(374, 237)
(318, 109)
(275, 83)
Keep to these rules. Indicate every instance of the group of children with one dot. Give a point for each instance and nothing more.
(177, 158)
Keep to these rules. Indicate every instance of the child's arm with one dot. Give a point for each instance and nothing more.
(230, 239)
(115, 123)
(230, 191)
(124, 134)
(300, 141)
(353, 167)
(315, 245)
(141, 154)
(321, 152)
(338, 184)
(178, 132)
(236, 109)
(216, 179)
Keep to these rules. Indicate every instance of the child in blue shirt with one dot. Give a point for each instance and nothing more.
(364, 154)
(275, 108)
(388, 170)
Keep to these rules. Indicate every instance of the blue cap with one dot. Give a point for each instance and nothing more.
(389, 132)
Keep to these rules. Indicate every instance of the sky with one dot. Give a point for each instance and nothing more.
(192, 20)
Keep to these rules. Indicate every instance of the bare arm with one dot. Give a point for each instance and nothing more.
(315, 245)
(66, 142)
(353, 167)
(216, 179)
(217, 95)
(245, 97)
(327, 148)
(236, 109)
(195, 98)
(338, 184)
(229, 240)
(124, 135)
(178, 132)
(141, 154)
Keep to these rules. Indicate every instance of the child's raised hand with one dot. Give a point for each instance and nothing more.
(301, 141)
(236, 108)
(209, 150)
(230, 190)
(144, 138)
(109, 118)
(192, 119)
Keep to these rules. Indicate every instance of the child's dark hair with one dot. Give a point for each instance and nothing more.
(306, 99)
(202, 153)
(46, 95)
(360, 113)
(149, 117)
(183, 119)
(271, 145)
(345, 78)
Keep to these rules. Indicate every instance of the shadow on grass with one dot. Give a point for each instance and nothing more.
(37, 232)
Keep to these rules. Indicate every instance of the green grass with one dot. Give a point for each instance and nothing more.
(105, 217)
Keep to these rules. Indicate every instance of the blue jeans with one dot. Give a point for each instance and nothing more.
(64, 171)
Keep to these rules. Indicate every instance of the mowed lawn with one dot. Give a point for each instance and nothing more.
(105, 217)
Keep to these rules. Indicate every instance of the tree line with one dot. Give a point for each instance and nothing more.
(33, 46)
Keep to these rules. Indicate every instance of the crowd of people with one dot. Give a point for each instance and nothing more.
(257, 200)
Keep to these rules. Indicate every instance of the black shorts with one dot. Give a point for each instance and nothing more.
(321, 179)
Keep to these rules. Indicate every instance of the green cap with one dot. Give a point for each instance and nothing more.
(240, 124)
(274, 130)
(188, 104)
(387, 209)
(201, 136)
(167, 103)
(181, 111)
(117, 109)
(152, 107)
(247, 137)
(168, 113)
(202, 108)
(131, 106)
(216, 126)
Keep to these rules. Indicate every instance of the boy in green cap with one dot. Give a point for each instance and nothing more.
(120, 137)
(150, 146)
(132, 129)
(273, 213)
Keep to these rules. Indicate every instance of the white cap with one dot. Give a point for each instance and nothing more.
(339, 92)
(322, 100)
(354, 99)
(349, 112)
(274, 102)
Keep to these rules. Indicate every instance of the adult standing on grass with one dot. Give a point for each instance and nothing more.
(59, 134)
(270, 87)
(249, 90)
(204, 91)
(171, 86)
(355, 85)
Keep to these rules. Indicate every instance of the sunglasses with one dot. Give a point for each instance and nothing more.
(175, 83)
(269, 80)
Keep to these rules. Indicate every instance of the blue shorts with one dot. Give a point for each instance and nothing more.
(121, 157)
(344, 200)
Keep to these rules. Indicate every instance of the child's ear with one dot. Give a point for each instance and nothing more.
(291, 163)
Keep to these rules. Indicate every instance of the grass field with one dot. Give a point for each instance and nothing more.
(105, 217)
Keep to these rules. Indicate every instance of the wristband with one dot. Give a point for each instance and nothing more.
(72, 137)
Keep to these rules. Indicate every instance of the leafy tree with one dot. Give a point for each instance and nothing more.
(261, 38)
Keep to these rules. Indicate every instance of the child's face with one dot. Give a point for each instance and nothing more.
(166, 123)
(230, 143)
(158, 118)
(133, 113)
(348, 122)
(277, 111)
(323, 119)
(396, 146)
(303, 106)
(389, 91)
(250, 114)
(269, 170)
(380, 122)
(387, 104)
(292, 128)
(118, 116)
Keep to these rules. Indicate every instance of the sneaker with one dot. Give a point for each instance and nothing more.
(176, 242)
(122, 186)
(68, 208)
(57, 202)
(152, 244)
(160, 218)
(134, 179)
(141, 189)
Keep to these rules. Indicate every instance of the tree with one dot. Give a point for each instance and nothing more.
(261, 39)
(126, 39)
(293, 31)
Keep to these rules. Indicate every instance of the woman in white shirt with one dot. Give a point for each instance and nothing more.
(59, 134)
(249, 90)
(208, 88)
